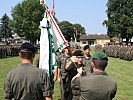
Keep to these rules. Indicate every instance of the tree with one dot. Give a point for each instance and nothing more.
(120, 19)
(71, 31)
(26, 19)
(78, 31)
(5, 28)
(67, 29)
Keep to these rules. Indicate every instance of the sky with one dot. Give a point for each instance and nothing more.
(89, 13)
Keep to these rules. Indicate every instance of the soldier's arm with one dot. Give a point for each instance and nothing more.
(58, 76)
(8, 95)
(73, 59)
(68, 65)
(48, 98)
(55, 74)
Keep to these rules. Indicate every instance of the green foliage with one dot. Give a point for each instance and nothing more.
(78, 31)
(26, 19)
(67, 29)
(70, 30)
(5, 28)
(79, 28)
(120, 18)
(118, 69)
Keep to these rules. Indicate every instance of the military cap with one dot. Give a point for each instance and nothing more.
(78, 53)
(86, 47)
(100, 55)
(27, 47)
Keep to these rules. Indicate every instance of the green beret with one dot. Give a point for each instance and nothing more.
(99, 55)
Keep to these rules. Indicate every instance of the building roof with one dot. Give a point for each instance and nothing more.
(94, 36)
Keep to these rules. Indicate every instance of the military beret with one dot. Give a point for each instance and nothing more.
(78, 53)
(86, 47)
(27, 47)
(100, 55)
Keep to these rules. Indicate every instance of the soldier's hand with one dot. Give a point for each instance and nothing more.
(79, 70)
(73, 59)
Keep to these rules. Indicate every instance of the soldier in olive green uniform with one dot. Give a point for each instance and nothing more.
(0, 51)
(86, 70)
(98, 85)
(62, 73)
(27, 82)
(132, 52)
(73, 65)
(87, 60)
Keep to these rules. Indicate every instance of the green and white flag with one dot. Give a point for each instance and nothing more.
(51, 41)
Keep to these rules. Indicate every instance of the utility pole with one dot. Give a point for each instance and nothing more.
(0, 26)
(75, 35)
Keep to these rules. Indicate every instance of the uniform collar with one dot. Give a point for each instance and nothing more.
(26, 64)
(99, 73)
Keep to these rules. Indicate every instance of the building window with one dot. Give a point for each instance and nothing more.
(91, 42)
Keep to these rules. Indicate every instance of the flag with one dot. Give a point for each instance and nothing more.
(59, 40)
(51, 41)
(44, 46)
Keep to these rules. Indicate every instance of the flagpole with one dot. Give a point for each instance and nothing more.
(53, 10)
(43, 2)
(51, 40)
(53, 21)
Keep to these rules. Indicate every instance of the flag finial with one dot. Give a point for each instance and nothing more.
(42, 2)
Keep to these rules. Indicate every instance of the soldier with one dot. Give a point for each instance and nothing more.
(98, 85)
(27, 82)
(0, 51)
(82, 71)
(87, 59)
(73, 65)
(4, 51)
(62, 73)
(132, 52)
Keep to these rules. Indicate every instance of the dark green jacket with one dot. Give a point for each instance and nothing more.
(97, 86)
(27, 83)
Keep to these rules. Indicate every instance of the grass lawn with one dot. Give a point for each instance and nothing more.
(118, 69)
